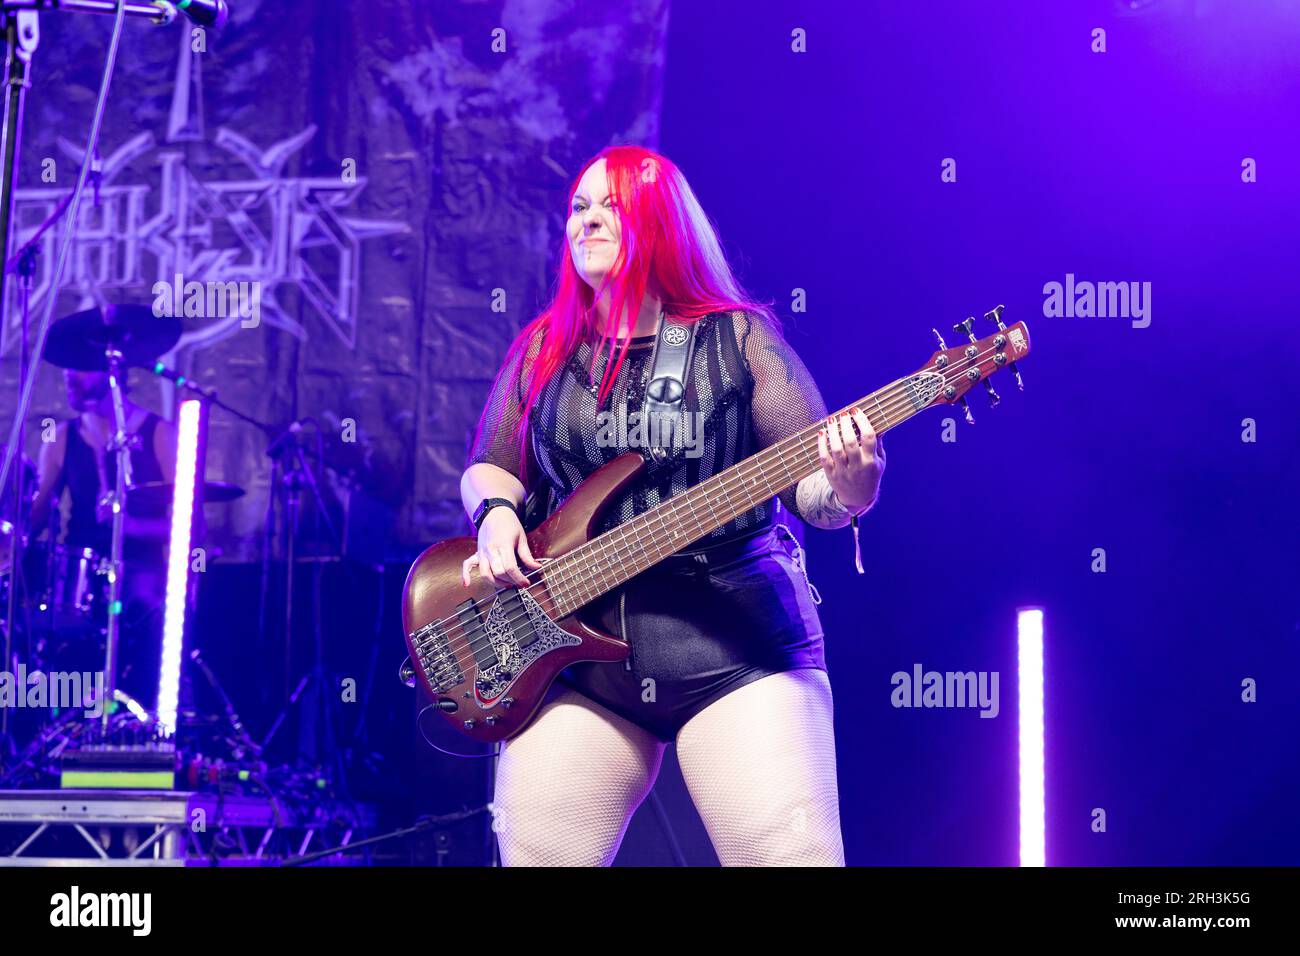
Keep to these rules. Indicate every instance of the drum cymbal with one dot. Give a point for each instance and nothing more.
(78, 341)
(158, 494)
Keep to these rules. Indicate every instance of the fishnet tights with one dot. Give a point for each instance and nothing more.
(759, 765)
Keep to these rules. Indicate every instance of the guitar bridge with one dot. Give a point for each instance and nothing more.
(436, 660)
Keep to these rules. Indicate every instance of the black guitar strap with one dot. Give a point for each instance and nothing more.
(670, 364)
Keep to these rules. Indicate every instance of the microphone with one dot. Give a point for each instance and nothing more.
(179, 380)
(206, 13)
(162, 371)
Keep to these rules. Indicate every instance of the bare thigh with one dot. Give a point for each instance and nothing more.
(567, 786)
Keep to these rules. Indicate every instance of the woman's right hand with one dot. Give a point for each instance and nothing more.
(500, 538)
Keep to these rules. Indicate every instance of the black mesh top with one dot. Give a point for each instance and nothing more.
(746, 383)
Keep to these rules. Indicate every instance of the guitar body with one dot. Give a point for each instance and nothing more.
(488, 669)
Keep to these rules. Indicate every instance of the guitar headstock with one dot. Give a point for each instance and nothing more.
(959, 369)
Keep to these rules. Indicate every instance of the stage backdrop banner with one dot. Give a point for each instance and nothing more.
(352, 207)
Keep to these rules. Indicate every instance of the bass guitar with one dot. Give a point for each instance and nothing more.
(486, 655)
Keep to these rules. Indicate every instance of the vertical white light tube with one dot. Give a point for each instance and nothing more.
(1029, 683)
(178, 565)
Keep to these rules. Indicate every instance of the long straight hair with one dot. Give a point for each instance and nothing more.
(668, 245)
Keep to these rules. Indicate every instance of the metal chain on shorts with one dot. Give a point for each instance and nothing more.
(800, 559)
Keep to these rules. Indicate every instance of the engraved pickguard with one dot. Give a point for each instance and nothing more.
(517, 643)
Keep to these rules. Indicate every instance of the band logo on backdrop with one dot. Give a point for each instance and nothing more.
(243, 239)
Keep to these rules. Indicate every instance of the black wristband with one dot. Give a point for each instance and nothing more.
(487, 504)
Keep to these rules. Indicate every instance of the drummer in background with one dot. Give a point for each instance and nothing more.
(79, 461)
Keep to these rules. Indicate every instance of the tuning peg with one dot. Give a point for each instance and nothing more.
(939, 338)
(994, 315)
(993, 396)
(970, 419)
(968, 327)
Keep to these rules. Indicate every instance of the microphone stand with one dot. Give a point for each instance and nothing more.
(241, 743)
(22, 34)
(296, 473)
(22, 37)
(23, 264)
(121, 447)
(161, 12)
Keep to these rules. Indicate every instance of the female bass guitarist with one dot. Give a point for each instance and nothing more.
(726, 644)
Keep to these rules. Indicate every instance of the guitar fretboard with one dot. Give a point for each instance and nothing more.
(603, 563)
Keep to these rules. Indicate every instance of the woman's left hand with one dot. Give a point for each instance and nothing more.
(853, 463)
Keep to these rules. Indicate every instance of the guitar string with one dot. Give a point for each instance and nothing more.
(610, 550)
(567, 592)
(899, 401)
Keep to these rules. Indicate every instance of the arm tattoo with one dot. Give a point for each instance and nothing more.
(819, 505)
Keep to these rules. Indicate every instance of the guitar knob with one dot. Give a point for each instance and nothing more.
(491, 721)
(507, 702)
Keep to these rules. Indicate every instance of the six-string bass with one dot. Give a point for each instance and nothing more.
(486, 655)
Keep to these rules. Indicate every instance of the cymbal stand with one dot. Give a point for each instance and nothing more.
(25, 266)
(121, 448)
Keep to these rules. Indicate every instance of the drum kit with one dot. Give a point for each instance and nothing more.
(58, 594)
(65, 600)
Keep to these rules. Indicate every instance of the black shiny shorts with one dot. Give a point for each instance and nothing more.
(701, 624)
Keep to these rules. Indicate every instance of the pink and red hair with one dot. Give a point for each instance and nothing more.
(668, 246)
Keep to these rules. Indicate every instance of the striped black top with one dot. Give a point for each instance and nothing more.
(746, 390)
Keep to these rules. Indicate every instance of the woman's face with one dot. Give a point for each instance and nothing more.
(593, 226)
